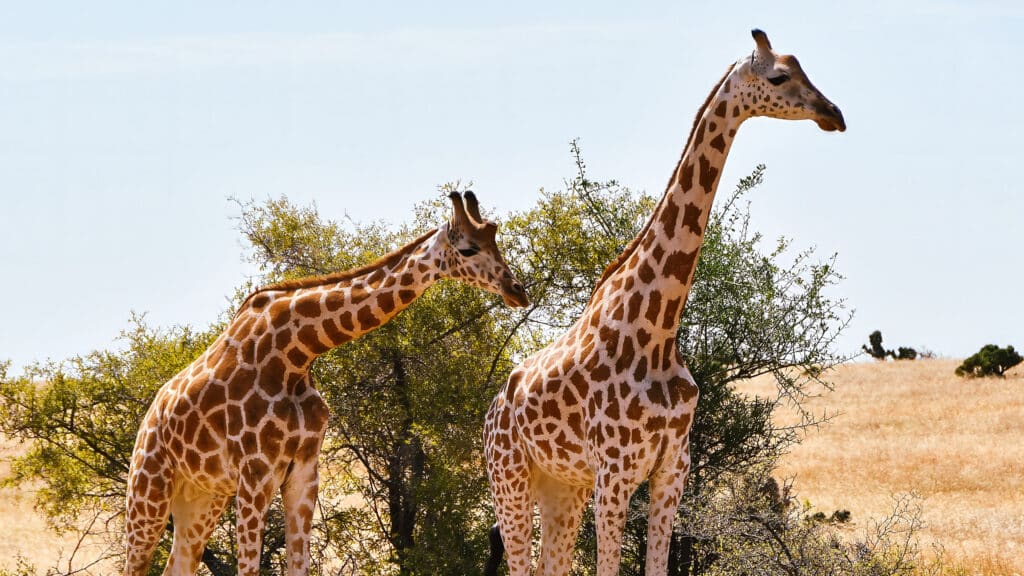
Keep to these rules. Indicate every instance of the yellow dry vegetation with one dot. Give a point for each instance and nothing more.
(914, 426)
(24, 530)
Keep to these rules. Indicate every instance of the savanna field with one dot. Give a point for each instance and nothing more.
(898, 428)
(902, 427)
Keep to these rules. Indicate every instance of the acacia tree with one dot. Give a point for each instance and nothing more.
(403, 485)
(407, 400)
(79, 420)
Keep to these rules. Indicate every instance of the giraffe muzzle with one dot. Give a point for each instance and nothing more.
(830, 118)
(514, 294)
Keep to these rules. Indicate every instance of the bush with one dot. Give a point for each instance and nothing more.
(905, 353)
(878, 352)
(991, 360)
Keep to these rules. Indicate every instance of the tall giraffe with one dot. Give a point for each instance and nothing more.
(244, 419)
(610, 403)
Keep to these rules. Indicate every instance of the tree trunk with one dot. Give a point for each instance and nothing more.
(405, 470)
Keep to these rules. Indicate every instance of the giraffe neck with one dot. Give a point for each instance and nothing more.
(660, 262)
(311, 316)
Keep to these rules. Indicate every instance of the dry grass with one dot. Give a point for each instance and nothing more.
(916, 427)
(25, 531)
(29, 536)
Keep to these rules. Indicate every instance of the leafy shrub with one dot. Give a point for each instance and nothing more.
(905, 353)
(991, 360)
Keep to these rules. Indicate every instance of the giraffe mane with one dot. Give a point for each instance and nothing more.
(631, 247)
(334, 277)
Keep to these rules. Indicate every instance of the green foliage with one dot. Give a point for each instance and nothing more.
(403, 489)
(753, 313)
(991, 360)
(79, 419)
(562, 245)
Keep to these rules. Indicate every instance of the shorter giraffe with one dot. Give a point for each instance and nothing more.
(244, 419)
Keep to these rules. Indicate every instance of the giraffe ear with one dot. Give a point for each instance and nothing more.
(761, 39)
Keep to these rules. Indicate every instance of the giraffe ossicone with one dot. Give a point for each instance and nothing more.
(609, 404)
(245, 420)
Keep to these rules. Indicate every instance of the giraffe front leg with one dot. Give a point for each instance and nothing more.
(667, 485)
(611, 500)
(299, 494)
(255, 491)
(195, 515)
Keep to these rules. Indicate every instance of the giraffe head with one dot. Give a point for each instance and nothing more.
(473, 255)
(775, 85)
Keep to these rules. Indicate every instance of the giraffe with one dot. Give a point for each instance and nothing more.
(609, 404)
(245, 419)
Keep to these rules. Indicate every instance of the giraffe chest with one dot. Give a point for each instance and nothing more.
(573, 427)
(209, 428)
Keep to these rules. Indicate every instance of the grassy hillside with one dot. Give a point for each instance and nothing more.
(915, 426)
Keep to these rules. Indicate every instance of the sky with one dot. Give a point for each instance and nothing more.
(126, 128)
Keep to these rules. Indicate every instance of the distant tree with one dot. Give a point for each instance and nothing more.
(878, 352)
(991, 360)
(905, 353)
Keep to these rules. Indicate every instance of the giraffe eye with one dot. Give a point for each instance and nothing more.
(471, 251)
(779, 79)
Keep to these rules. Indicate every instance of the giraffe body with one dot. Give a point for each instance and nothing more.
(244, 420)
(610, 403)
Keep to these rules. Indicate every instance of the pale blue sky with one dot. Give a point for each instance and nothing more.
(125, 127)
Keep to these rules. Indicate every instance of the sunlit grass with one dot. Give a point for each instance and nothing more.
(916, 427)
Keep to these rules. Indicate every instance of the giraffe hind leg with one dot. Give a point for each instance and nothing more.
(514, 507)
(195, 515)
(561, 509)
(667, 486)
(611, 503)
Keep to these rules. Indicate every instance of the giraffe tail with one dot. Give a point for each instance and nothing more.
(497, 551)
